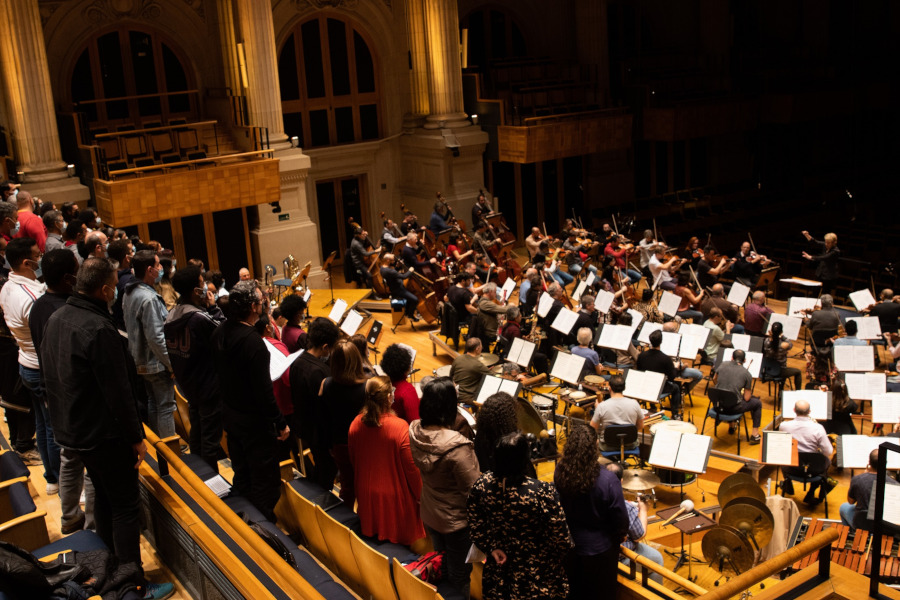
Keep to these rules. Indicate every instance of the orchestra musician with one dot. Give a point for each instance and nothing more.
(826, 260)
(462, 298)
(490, 307)
(478, 278)
(484, 237)
(551, 268)
(533, 242)
(588, 315)
(707, 274)
(584, 337)
(389, 234)
(645, 247)
(453, 248)
(394, 280)
(621, 257)
(607, 234)
(410, 223)
(748, 265)
(825, 319)
(657, 361)
(438, 222)
(481, 208)
(717, 299)
(648, 308)
(756, 314)
(358, 254)
(525, 286)
(659, 268)
(410, 253)
(528, 299)
(690, 301)
(887, 310)
(695, 375)
(575, 254)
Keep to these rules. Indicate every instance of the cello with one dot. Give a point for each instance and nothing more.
(373, 262)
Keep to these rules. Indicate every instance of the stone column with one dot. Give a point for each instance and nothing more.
(418, 72)
(445, 95)
(263, 89)
(26, 82)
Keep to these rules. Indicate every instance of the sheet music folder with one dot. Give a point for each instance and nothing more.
(778, 448)
(853, 451)
(688, 452)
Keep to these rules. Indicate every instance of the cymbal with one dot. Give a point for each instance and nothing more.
(727, 550)
(489, 360)
(529, 420)
(739, 485)
(497, 369)
(751, 517)
(639, 480)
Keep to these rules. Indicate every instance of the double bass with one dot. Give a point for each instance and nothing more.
(373, 262)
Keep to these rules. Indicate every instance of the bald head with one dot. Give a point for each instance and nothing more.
(759, 297)
(801, 408)
(887, 294)
(24, 200)
(718, 290)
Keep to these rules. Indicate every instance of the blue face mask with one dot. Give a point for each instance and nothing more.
(15, 230)
(38, 272)
(159, 274)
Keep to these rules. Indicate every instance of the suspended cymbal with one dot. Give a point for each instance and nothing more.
(489, 360)
(529, 419)
(739, 485)
(727, 551)
(639, 480)
(751, 517)
(497, 370)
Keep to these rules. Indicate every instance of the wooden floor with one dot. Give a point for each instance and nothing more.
(702, 492)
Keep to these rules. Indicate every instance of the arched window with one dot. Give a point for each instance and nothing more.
(329, 88)
(136, 65)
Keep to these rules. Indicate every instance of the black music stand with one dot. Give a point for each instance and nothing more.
(688, 523)
(326, 266)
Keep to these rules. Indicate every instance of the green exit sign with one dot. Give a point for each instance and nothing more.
(284, 217)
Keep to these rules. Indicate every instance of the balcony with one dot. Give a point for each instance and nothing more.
(561, 136)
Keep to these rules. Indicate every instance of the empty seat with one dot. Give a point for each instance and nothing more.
(161, 143)
(135, 146)
(197, 155)
(145, 161)
(168, 159)
(21, 523)
(188, 141)
(110, 147)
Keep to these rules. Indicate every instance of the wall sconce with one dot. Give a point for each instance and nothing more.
(70, 170)
(20, 176)
(474, 119)
(295, 142)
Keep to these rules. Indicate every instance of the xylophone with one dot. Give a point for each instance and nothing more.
(852, 549)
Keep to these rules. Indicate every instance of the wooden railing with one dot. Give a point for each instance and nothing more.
(127, 132)
(137, 97)
(191, 163)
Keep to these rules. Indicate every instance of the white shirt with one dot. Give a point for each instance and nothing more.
(646, 254)
(16, 298)
(810, 435)
(657, 271)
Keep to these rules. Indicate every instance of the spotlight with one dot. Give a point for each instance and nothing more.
(295, 142)
(474, 119)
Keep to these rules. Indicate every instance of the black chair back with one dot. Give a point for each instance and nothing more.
(723, 399)
(620, 435)
(813, 464)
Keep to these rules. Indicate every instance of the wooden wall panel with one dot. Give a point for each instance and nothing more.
(563, 139)
(188, 192)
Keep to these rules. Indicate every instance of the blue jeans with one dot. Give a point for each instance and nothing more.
(695, 315)
(46, 443)
(690, 373)
(633, 275)
(649, 553)
(160, 403)
(576, 269)
(562, 277)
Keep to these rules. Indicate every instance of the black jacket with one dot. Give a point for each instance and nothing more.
(826, 262)
(188, 330)
(90, 377)
(394, 281)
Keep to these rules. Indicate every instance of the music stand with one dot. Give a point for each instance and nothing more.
(689, 523)
(326, 266)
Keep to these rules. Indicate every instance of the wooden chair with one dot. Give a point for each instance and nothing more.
(182, 416)
(337, 540)
(375, 569)
(298, 515)
(21, 523)
(410, 587)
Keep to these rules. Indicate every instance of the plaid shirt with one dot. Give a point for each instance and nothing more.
(635, 527)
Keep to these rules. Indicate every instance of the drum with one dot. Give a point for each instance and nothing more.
(442, 371)
(678, 426)
(594, 379)
(544, 407)
(674, 478)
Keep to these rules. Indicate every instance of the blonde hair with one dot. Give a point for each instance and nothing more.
(830, 237)
(378, 400)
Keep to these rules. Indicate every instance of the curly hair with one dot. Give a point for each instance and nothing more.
(496, 418)
(395, 362)
(578, 468)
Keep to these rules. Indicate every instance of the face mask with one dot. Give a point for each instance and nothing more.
(115, 296)
(98, 220)
(15, 230)
(64, 227)
(171, 271)
(159, 274)
(15, 192)
(38, 272)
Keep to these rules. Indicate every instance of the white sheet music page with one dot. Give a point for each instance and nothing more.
(352, 322)
(695, 330)
(664, 450)
(646, 330)
(865, 386)
(591, 278)
(636, 320)
(510, 386)
(740, 341)
(862, 299)
(520, 352)
(564, 321)
(643, 385)
(777, 447)
(615, 336)
(791, 325)
(854, 358)
(544, 305)
(868, 328)
(604, 301)
(818, 403)
(798, 304)
(693, 453)
(338, 310)
(890, 510)
(307, 295)
(670, 343)
(690, 346)
(669, 303)
(738, 293)
(579, 290)
(752, 360)
(855, 450)
(567, 367)
(886, 408)
(509, 286)
(490, 386)
(278, 362)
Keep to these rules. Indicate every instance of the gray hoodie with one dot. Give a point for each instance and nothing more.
(448, 465)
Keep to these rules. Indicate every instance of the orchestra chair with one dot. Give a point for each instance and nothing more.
(814, 469)
(337, 540)
(375, 569)
(410, 587)
(686, 394)
(21, 523)
(450, 327)
(720, 400)
(501, 348)
(620, 441)
(398, 313)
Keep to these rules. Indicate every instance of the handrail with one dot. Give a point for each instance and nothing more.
(192, 162)
(671, 575)
(137, 97)
(773, 565)
(273, 561)
(152, 129)
(563, 116)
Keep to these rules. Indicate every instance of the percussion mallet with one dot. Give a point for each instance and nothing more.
(686, 506)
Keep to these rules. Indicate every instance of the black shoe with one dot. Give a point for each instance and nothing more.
(754, 440)
(414, 318)
(731, 428)
(811, 500)
(787, 487)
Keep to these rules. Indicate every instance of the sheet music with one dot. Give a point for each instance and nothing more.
(791, 325)
(890, 509)
(544, 305)
(819, 403)
(669, 303)
(862, 299)
(803, 282)
(567, 367)
(520, 352)
(646, 330)
(853, 451)
(564, 321)
(636, 319)
(338, 311)
(886, 408)
(579, 290)
(351, 322)
(412, 355)
(493, 384)
(854, 358)
(664, 450)
(590, 279)
(865, 386)
(307, 295)
(604, 301)
(690, 346)
(670, 343)
(740, 341)
(797, 304)
(218, 486)
(693, 453)
(777, 448)
(868, 328)
(615, 336)
(695, 330)
(752, 360)
(509, 286)
(278, 362)
(738, 293)
(644, 385)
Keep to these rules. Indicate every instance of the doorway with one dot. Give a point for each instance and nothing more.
(339, 201)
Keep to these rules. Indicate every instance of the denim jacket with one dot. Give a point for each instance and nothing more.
(145, 316)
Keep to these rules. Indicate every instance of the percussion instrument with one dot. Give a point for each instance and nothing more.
(639, 480)
(577, 395)
(852, 549)
(529, 419)
(489, 360)
(594, 379)
(497, 370)
(752, 518)
(442, 371)
(544, 407)
(670, 478)
(678, 426)
(727, 550)
(740, 485)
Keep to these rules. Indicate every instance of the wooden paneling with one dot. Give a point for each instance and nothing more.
(189, 192)
(699, 120)
(563, 139)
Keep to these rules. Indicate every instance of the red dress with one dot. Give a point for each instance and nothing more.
(406, 401)
(388, 484)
